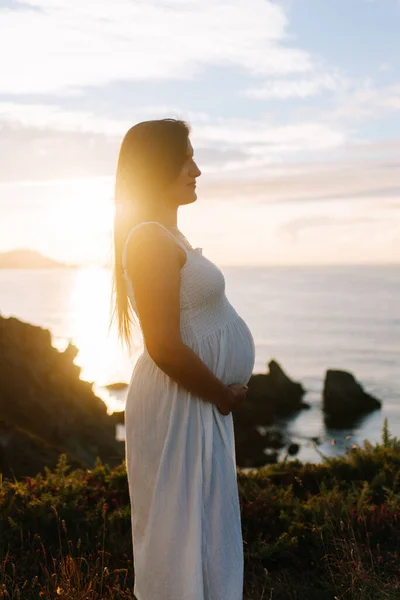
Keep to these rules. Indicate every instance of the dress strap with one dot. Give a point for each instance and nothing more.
(139, 225)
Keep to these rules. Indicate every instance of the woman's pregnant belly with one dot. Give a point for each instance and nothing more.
(229, 352)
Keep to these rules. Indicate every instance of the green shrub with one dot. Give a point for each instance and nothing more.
(315, 531)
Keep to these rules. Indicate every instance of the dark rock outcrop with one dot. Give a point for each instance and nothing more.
(271, 394)
(44, 402)
(118, 417)
(250, 444)
(344, 398)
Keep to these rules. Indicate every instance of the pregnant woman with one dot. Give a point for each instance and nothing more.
(198, 357)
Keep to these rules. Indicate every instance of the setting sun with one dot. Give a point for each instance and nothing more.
(78, 221)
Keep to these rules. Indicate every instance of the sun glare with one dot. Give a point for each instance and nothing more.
(79, 223)
(100, 352)
(83, 215)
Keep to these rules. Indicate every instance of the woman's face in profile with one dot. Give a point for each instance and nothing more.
(183, 190)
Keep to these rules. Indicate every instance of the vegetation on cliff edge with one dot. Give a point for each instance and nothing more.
(328, 531)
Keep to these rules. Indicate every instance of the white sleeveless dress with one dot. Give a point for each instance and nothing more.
(180, 451)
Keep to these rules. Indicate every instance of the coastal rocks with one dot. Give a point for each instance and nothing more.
(118, 417)
(249, 446)
(270, 395)
(117, 386)
(44, 402)
(344, 398)
(293, 449)
(255, 449)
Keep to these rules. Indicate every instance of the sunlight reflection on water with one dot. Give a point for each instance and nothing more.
(101, 355)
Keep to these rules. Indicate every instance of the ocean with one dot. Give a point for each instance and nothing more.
(309, 319)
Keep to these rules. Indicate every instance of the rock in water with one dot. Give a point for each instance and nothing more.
(344, 396)
(117, 386)
(270, 394)
(293, 449)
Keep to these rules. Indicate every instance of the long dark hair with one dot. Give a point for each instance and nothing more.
(151, 157)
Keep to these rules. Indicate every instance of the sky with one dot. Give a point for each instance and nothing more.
(294, 107)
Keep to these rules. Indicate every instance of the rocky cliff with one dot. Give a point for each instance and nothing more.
(45, 408)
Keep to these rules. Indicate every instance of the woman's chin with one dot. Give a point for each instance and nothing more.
(190, 197)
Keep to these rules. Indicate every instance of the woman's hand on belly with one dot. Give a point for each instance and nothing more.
(237, 397)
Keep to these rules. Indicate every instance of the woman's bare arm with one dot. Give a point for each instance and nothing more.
(153, 263)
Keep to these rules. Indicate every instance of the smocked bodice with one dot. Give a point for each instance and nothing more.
(203, 303)
(205, 311)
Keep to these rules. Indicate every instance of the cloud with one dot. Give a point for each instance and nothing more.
(284, 89)
(262, 133)
(61, 46)
(30, 154)
(323, 181)
(264, 138)
(54, 118)
(365, 100)
(61, 143)
(228, 173)
(296, 226)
